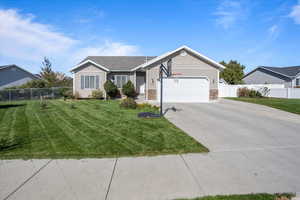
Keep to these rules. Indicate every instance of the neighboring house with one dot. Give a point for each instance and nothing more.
(12, 75)
(188, 66)
(289, 76)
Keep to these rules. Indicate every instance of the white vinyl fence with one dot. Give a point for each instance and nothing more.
(273, 90)
(289, 93)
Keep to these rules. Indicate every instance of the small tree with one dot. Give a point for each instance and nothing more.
(47, 73)
(233, 73)
(111, 89)
(128, 89)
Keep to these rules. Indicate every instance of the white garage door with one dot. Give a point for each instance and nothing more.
(184, 89)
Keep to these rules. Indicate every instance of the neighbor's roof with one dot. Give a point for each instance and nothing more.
(290, 72)
(116, 63)
(6, 66)
(13, 65)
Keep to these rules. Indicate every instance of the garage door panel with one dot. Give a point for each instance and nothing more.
(183, 89)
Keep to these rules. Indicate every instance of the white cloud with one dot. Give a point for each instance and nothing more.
(228, 13)
(20, 37)
(295, 13)
(109, 48)
(24, 40)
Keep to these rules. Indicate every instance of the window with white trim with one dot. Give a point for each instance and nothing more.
(89, 82)
(120, 80)
(297, 81)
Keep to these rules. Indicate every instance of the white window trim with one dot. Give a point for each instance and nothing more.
(89, 83)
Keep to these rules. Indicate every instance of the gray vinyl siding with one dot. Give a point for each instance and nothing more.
(261, 76)
(88, 70)
(187, 65)
(13, 76)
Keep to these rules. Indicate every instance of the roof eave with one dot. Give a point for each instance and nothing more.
(89, 61)
(184, 47)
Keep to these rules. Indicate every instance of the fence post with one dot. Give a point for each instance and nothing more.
(30, 93)
(9, 94)
(288, 93)
(52, 93)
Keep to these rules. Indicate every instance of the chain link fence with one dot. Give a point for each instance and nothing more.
(33, 93)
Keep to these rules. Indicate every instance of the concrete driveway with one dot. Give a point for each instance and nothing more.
(253, 149)
(237, 126)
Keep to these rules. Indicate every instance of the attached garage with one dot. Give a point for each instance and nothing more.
(184, 89)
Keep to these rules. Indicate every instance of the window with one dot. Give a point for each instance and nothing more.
(298, 82)
(120, 80)
(89, 82)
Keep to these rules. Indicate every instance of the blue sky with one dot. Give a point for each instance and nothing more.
(257, 32)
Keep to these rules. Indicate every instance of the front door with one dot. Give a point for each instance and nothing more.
(140, 84)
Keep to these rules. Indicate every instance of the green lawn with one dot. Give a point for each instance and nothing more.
(289, 105)
(90, 128)
(247, 197)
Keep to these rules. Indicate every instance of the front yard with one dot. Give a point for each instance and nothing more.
(86, 128)
(289, 105)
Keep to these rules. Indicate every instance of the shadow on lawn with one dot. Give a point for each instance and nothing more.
(11, 106)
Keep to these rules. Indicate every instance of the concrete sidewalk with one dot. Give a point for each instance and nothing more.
(159, 177)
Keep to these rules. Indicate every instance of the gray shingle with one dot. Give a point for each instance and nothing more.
(119, 63)
(288, 71)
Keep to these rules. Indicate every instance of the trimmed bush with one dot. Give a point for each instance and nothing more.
(129, 90)
(97, 94)
(128, 103)
(147, 106)
(111, 89)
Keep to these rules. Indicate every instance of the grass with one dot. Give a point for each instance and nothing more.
(86, 128)
(289, 105)
(263, 196)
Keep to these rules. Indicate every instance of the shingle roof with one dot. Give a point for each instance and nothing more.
(287, 71)
(119, 63)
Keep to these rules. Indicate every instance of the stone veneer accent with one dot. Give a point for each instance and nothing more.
(213, 94)
(151, 94)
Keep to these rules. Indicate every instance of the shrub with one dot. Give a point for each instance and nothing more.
(245, 92)
(111, 89)
(97, 94)
(67, 93)
(129, 90)
(128, 103)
